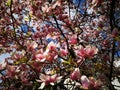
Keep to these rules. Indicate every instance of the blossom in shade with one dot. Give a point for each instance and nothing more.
(95, 84)
(75, 75)
(85, 82)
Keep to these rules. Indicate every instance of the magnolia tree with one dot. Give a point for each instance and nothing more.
(59, 44)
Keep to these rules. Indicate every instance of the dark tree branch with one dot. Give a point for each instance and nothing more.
(113, 46)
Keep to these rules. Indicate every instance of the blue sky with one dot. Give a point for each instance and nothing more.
(3, 56)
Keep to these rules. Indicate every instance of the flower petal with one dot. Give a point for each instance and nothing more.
(52, 84)
(42, 85)
(43, 77)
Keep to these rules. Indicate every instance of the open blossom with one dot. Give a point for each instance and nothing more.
(91, 50)
(49, 54)
(75, 75)
(40, 57)
(12, 71)
(87, 52)
(48, 80)
(53, 46)
(51, 51)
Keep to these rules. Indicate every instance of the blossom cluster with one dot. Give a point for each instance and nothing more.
(58, 44)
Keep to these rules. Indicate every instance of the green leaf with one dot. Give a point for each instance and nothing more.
(26, 19)
(21, 60)
(117, 38)
(8, 3)
(70, 59)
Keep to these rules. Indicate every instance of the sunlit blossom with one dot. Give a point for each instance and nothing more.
(87, 52)
(40, 57)
(48, 80)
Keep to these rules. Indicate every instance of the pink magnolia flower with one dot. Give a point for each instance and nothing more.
(52, 46)
(12, 71)
(40, 57)
(48, 80)
(63, 52)
(51, 56)
(23, 77)
(90, 83)
(75, 75)
(19, 55)
(31, 45)
(85, 82)
(87, 52)
(37, 66)
(82, 52)
(73, 41)
(91, 51)
(95, 84)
